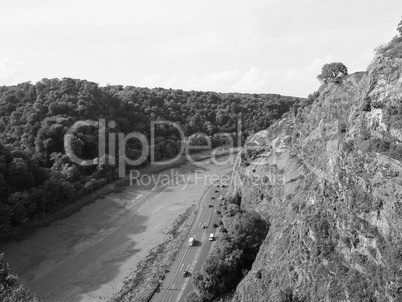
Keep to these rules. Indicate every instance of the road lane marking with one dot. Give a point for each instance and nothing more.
(202, 215)
(182, 260)
(195, 259)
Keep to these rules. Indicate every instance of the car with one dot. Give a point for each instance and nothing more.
(221, 198)
(213, 197)
(204, 226)
(184, 273)
(210, 205)
(211, 237)
(218, 212)
(216, 191)
(223, 186)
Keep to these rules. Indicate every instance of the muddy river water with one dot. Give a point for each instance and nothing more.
(86, 256)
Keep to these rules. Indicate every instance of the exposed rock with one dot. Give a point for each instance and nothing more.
(334, 204)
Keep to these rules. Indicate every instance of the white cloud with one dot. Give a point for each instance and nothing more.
(255, 80)
(9, 70)
(149, 81)
(219, 81)
(316, 64)
(291, 74)
(309, 72)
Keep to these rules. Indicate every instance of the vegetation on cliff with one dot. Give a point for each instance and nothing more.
(392, 49)
(330, 184)
(332, 72)
(240, 236)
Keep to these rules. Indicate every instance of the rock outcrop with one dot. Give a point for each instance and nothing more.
(328, 178)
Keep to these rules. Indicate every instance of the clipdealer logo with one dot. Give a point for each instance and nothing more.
(107, 148)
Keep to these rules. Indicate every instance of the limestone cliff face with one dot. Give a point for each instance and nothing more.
(334, 201)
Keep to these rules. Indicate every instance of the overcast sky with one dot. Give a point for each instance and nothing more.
(256, 46)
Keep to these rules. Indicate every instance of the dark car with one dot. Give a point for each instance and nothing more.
(211, 205)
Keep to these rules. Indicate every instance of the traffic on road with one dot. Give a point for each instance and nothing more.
(177, 283)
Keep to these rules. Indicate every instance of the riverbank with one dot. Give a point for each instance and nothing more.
(88, 255)
(24, 230)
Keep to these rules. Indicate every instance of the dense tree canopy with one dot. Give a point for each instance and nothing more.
(237, 246)
(36, 175)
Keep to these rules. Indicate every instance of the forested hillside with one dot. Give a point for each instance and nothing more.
(36, 175)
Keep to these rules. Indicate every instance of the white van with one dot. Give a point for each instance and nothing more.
(191, 241)
(211, 237)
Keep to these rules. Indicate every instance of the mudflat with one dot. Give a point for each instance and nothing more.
(86, 256)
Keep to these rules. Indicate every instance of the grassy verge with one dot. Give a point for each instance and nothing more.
(141, 283)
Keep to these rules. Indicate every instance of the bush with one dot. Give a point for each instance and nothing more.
(234, 253)
(393, 49)
(11, 289)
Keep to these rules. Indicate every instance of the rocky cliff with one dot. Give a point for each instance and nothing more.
(328, 178)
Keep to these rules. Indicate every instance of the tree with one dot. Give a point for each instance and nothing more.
(10, 287)
(399, 28)
(5, 225)
(332, 72)
(19, 176)
(233, 254)
(34, 119)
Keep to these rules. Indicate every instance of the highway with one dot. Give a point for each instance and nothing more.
(175, 286)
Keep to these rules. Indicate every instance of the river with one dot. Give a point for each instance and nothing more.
(86, 256)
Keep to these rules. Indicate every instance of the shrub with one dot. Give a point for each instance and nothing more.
(234, 254)
(393, 49)
(10, 288)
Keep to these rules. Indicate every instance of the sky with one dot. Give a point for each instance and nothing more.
(254, 46)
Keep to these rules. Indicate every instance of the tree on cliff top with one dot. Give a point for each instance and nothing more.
(332, 72)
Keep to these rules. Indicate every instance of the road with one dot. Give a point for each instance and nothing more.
(87, 256)
(175, 286)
